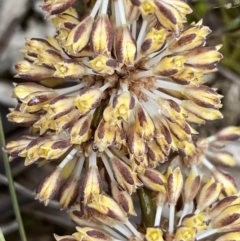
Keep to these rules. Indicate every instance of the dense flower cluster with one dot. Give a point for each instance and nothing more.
(112, 95)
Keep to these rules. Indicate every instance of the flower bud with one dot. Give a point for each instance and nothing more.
(82, 217)
(222, 204)
(146, 7)
(48, 58)
(69, 69)
(154, 41)
(153, 180)
(174, 184)
(188, 75)
(60, 106)
(21, 91)
(191, 186)
(88, 99)
(92, 184)
(228, 183)
(153, 234)
(125, 177)
(169, 65)
(14, 147)
(32, 150)
(64, 238)
(44, 124)
(91, 234)
(144, 124)
(170, 17)
(154, 152)
(208, 194)
(32, 72)
(234, 236)
(22, 118)
(194, 36)
(68, 193)
(35, 101)
(65, 20)
(124, 46)
(209, 97)
(54, 149)
(201, 112)
(49, 186)
(102, 36)
(228, 217)
(131, 11)
(221, 158)
(79, 36)
(181, 132)
(135, 143)
(230, 133)
(185, 233)
(123, 198)
(104, 206)
(66, 121)
(80, 131)
(203, 59)
(104, 136)
(121, 107)
(162, 136)
(197, 221)
(103, 64)
(53, 7)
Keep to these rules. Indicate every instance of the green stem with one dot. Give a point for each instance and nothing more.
(147, 207)
(11, 185)
(1, 235)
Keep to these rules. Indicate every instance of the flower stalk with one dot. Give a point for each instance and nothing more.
(11, 186)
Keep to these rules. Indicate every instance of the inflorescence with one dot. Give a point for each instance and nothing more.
(111, 98)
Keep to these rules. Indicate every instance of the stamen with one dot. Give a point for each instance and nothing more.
(121, 155)
(133, 229)
(123, 230)
(134, 29)
(184, 213)
(122, 12)
(96, 8)
(93, 159)
(109, 153)
(156, 59)
(211, 138)
(207, 164)
(158, 216)
(113, 233)
(124, 86)
(68, 158)
(205, 234)
(147, 73)
(104, 7)
(104, 87)
(195, 169)
(107, 166)
(148, 93)
(117, 16)
(70, 90)
(166, 96)
(171, 218)
(141, 34)
(168, 85)
(78, 169)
